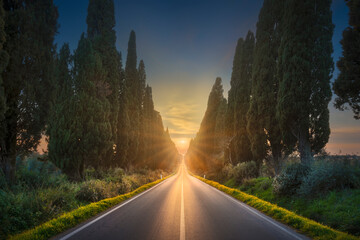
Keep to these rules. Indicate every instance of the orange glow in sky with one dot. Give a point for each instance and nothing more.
(182, 144)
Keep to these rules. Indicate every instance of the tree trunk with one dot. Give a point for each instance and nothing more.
(276, 162)
(276, 151)
(304, 147)
(8, 167)
(8, 150)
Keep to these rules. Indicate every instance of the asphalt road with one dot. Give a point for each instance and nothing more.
(182, 207)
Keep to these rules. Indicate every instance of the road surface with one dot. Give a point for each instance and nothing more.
(182, 207)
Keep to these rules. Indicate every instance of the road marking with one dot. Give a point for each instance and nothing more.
(105, 214)
(253, 211)
(182, 215)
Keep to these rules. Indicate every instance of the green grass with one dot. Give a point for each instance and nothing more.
(304, 225)
(337, 209)
(71, 219)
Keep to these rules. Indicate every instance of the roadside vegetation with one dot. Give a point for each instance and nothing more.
(91, 106)
(41, 192)
(68, 220)
(269, 137)
(307, 226)
(327, 192)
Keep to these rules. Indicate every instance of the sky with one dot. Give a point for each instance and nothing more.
(187, 44)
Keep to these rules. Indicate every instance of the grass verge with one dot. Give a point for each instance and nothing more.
(304, 225)
(71, 219)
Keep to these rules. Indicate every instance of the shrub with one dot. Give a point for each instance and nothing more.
(326, 176)
(113, 175)
(227, 172)
(267, 168)
(91, 191)
(3, 182)
(290, 179)
(247, 183)
(266, 184)
(34, 174)
(245, 170)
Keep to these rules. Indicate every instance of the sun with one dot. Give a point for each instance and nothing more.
(182, 145)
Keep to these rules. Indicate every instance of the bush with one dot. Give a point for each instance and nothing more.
(327, 176)
(109, 175)
(34, 174)
(248, 183)
(227, 172)
(266, 184)
(91, 191)
(290, 179)
(3, 182)
(245, 170)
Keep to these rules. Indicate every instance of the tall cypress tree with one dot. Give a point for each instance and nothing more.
(242, 71)
(142, 81)
(204, 146)
(220, 127)
(30, 27)
(61, 130)
(123, 124)
(262, 124)
(305, 67)
(4, 58)
(347, 84)
(101, 23)
(141, 94)
(235, 76)
(158, 151)
(134, 100)
(91, 124)
(148, 119)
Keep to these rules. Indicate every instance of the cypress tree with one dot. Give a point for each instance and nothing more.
(148, 119)
(91, 124)
(220, 127)
(134, 106)
(4, 58)
(141, 94)
(60, 128)
(305, 67)
(30, 28)
(240, 144)
(235, 76)
(158, 151)
(101, 23)
(347, 84)
(262, 124)
(205, 145)
(148, 103)
(123, 125)
(142, 81)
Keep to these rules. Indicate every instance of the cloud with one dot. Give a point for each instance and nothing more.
(181, 118)
(345, 140)
(345, 130)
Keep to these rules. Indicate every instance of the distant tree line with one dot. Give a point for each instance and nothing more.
(280, 89)
(94, 112)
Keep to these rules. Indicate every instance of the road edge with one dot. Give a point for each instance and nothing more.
(77, 216)
(304, 225)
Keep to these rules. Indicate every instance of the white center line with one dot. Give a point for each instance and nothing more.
(182, 217)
